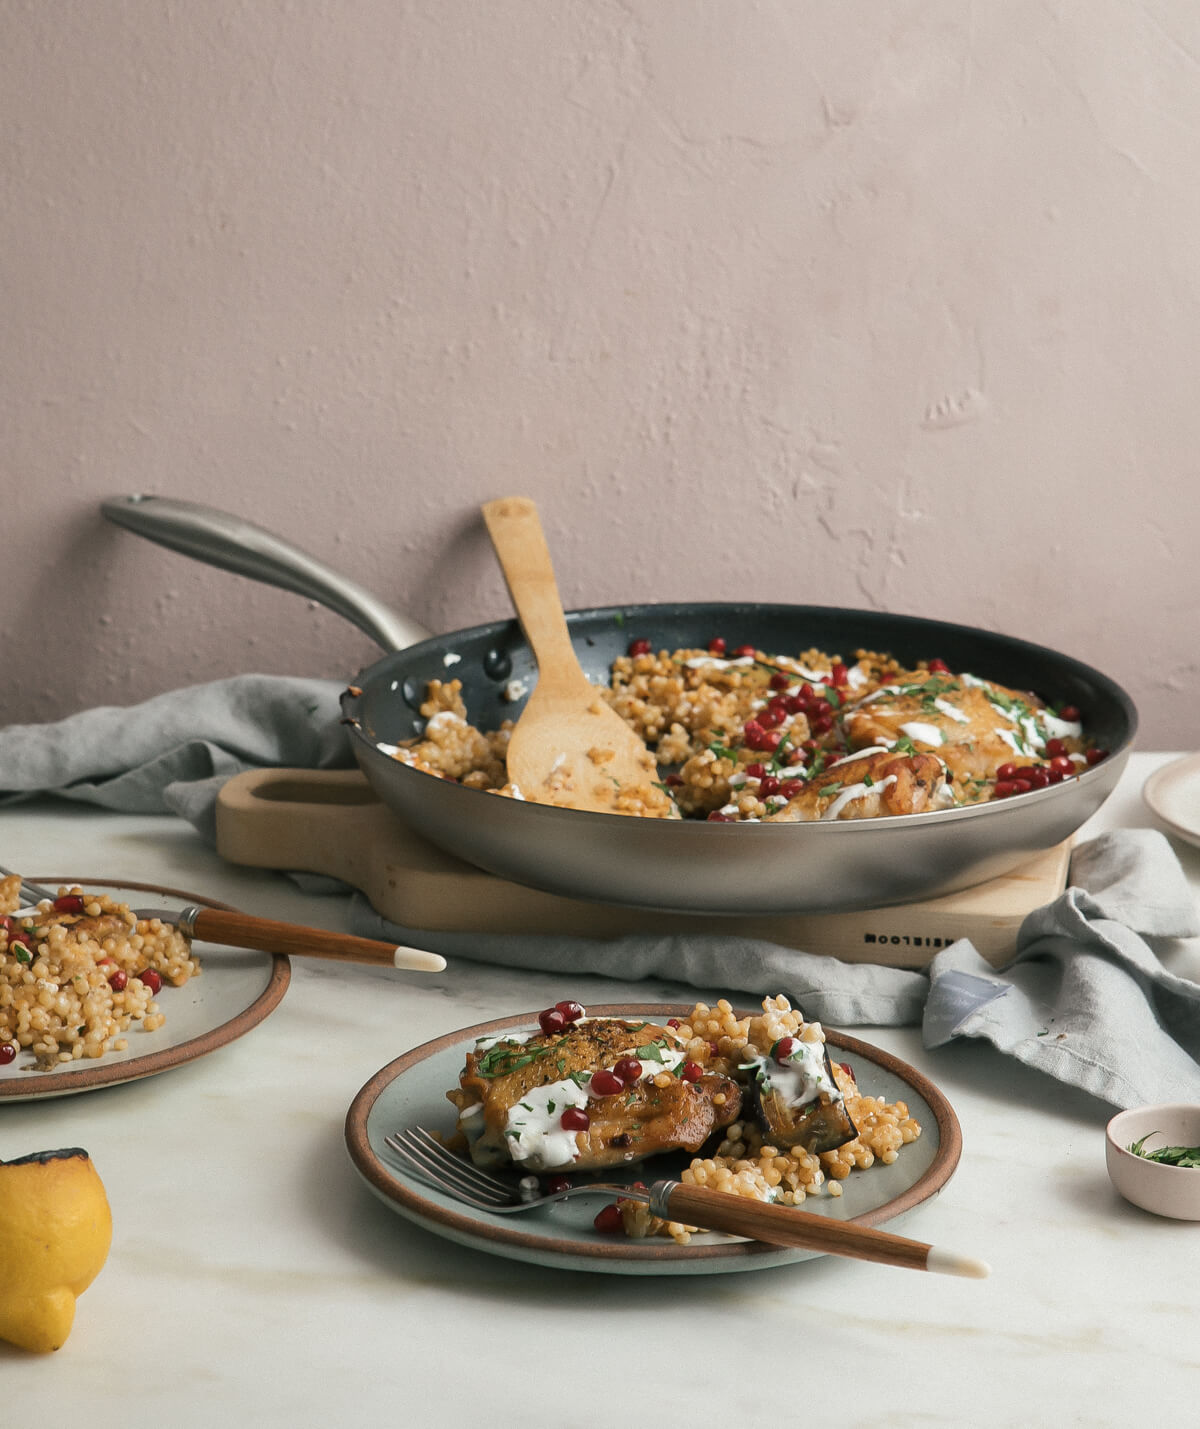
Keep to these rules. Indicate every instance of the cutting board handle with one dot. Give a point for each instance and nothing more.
(302, 820)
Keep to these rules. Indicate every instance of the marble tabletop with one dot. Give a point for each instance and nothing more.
(254, 1279)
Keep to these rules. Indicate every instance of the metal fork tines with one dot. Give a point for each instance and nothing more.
(426, 1157)
(31, 893)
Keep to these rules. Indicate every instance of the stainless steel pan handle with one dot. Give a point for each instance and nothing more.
(220, 539)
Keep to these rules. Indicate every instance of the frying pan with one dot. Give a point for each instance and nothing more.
(672, 866)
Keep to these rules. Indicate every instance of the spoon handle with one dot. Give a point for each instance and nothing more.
(516, 531)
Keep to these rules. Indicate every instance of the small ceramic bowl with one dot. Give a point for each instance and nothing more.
(1165, 1190)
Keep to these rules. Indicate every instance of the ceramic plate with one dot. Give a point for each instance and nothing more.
(235, 992)
(1173, 794)
(411, 1091)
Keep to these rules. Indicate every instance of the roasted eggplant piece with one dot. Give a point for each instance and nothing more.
(796, 1099)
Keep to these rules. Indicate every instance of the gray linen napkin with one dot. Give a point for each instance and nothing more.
(172, 753)
(1086, 999)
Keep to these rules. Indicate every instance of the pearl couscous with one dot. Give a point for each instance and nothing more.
(78, 972)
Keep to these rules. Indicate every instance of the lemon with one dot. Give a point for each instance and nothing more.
(55, 1232)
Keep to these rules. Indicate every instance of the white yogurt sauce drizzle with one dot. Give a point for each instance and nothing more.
(951, 711)
(926, 733)
(801, 1078)
(855, 791)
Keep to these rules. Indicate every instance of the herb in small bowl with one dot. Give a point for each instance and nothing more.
(1167, 1155)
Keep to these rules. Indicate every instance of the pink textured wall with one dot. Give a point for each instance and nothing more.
(888, 306)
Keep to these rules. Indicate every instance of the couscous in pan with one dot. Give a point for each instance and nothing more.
(679, 865)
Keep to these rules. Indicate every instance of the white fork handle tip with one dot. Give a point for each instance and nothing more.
(417, 960)
(947, 1262)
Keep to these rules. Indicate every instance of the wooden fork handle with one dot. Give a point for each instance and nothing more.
(785, 1225)
(520, 544)
(240, 930)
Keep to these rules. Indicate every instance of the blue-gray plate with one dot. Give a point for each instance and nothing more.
(411, 1091)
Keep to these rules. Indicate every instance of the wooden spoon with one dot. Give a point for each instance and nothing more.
(569, 746)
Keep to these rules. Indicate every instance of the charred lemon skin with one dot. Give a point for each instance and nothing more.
(55, 1234)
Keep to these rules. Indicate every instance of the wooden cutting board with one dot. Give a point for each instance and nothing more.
(330, 822)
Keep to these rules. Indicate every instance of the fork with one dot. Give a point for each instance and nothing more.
(241, 930)
(425, 1157)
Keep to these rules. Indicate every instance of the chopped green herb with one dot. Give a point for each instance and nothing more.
(1184, 1156)
(651, 1052)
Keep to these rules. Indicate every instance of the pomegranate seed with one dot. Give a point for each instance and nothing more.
(1004, 789)
(714, 1050)
(821, 706)
(793, 704)
(609, 1220)
(1070, 713)
(572, 1011)
(716, 646)
(1006, 771)
(784, 1048)
(629, 1069)
(794, 756)
(772, 739)
(640, 647)
(575, 1119)
(806, 693)
(752, 733)
(691, 1071)
(744, 651)
(1038, 778)
(821, 724)
(152, 980)
(1063, 763)
(673, 781)
(838, 675)
(778, 681)
(674, 1022)
(1021, 786)
(791, 787)
(552, 1021)
(937, 667)
(847, 1068)
(770, 718)
(554, 1185)
(8, 1053)
(755, 771)
(605, 1084)
(21, 938)
(1094, 756)
(1055, 747)
(68, 903)
(768, 785)
(118, 980)
(717, 817)
(1055, 776)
